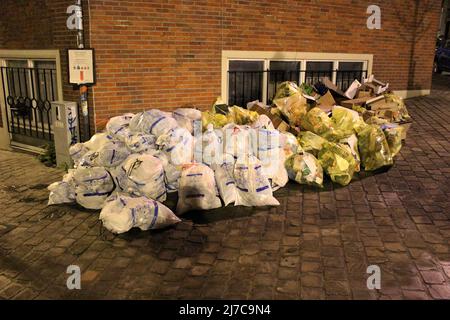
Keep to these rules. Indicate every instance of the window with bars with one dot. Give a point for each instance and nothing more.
(257, 79)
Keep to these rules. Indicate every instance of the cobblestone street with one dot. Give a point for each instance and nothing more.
(315, 245)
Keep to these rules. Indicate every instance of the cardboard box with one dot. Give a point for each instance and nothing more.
(380, 103)
(363, 94)
(383, 105)
(337, 93)
(355, 102)
(353, 89)
(369, 86)
(326, 102)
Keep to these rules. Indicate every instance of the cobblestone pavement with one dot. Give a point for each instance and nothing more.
(315, 245)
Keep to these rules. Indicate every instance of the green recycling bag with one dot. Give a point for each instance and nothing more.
(311, 142)
(337, 160)
(373, 148)
(305, 169)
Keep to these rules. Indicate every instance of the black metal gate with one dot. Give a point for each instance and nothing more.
(27, 95)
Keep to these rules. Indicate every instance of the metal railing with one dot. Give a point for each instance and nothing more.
(246, 86)
(28, 93)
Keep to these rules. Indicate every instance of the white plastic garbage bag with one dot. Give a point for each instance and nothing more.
(172, 172)
(289, 143)
(141, 122)
(89, 159)
(140, 142)
(186, 118)
(272, 157)
(97, 141)
(209, 148)
(198, 189)
(253, 188)
(145, 176)
(263, 122)
(119, 176)
(239, 140)
(225, 179)
(121, 213)
(178, 144)
(77, 151)
(162, 125)
(93, 186)
(273, 168)
(112, 154)
(118, 127)
(62, 191)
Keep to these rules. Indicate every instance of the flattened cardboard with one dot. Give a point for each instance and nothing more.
(326, 102)
(353, 89)
(369, 86)
(338, 94)
(383, 105)
(375, 99)
(355, 102)
(363, 94)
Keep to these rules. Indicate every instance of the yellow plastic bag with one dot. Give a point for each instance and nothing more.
(286, 89)
(293, 108)
(374, 149)
(351, 143)
(338, 162)
(403, 114)
(394, 134)
(319, 123)
(216, 119)
(305, 169)
(346, 120)
(311, 142)
(242, 116)
(376, 120)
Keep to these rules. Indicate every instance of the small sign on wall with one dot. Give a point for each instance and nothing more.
(81, 66)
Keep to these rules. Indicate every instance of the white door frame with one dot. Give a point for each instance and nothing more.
(5, 54)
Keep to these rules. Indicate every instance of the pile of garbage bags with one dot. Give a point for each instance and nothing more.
(128, 170)
(223, 156)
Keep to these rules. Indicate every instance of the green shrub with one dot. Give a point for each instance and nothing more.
(49, 156)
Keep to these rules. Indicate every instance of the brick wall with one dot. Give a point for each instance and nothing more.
(164, 54)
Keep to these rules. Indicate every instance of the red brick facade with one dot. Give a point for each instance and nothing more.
(163, 54)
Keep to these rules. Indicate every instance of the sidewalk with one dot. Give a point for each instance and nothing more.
(315, 245)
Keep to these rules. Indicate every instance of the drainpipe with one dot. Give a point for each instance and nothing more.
(83, 88)
(79, 25)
